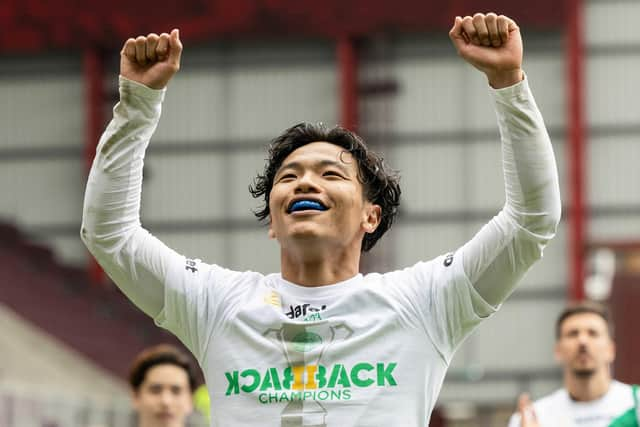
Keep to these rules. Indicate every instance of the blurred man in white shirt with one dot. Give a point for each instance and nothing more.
(590, 396)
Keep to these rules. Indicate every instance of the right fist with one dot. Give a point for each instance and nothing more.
(151, 60)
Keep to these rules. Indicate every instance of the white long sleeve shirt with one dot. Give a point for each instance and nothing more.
(370, 351)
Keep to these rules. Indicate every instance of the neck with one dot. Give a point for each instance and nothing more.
(319, 267)
(585, 389)
(145, 423)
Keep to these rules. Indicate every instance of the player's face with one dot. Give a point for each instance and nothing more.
(317, 197)
(164, 397)
(584, 346)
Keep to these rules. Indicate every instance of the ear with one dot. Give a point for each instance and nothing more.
(612, 351)
(371, 218)
(135, 400)
(271, 232)
(191, 406)
(557, 355)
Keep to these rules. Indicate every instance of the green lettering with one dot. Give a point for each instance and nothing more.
(335, 371)
(273, 372)
(344, 377)
(339, 375)
(355, 379)
(287, 378)
(270, 380)
(266, 381)
(321, 376)
(248, 388)
(234, 386)
(273, 397)
(384, 373)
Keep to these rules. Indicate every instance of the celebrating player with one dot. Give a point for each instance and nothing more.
(319, 343)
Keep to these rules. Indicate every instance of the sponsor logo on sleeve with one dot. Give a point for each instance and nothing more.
(448, 259)
(190, 265)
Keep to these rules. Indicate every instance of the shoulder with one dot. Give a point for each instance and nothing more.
(620, 391)
(210, 277)
(620, 386)
(435, 269)
(551, 401)
(198, 268)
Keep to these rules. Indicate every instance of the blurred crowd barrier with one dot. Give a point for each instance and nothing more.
(33, 406)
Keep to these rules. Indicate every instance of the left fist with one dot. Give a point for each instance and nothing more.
(492, 44)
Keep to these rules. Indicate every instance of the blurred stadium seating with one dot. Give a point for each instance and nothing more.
(96, 320)
(66, 343)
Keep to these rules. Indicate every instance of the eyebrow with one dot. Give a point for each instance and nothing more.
(319, 164)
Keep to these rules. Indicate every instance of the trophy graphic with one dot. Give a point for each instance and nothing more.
(303, 346)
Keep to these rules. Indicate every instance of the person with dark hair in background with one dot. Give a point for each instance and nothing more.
(320, 344)
(590, 397)
(162, 380)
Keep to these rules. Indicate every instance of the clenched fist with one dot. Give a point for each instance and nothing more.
(151, 60)
(492, 44)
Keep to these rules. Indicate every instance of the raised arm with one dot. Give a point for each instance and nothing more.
(504, 249)
(136, 261)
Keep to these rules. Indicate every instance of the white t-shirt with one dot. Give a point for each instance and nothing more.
(370, 351)
(559, 410)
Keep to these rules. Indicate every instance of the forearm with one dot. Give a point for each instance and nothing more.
(112, 198)
(501, 253)
(111, 226)
(529, 166)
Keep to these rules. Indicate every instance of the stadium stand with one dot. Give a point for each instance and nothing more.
(93, 319)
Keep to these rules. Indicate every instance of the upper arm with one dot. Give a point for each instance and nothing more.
(500, 254)
(138, 263)
(441, 298)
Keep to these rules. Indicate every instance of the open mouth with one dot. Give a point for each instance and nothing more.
(306, 205)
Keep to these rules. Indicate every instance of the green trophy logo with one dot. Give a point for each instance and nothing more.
(306, 341)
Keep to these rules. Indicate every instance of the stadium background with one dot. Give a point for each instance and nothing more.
(251, 69)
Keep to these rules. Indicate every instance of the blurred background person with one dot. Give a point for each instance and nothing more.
(590, 397)
(163, 381)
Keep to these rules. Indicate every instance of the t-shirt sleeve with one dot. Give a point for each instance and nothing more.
(506, 248)
(134, 259)
(438, 296)
(198, 300)
(452, 294)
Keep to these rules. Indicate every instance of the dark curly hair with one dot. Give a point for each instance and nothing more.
(380, 183)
